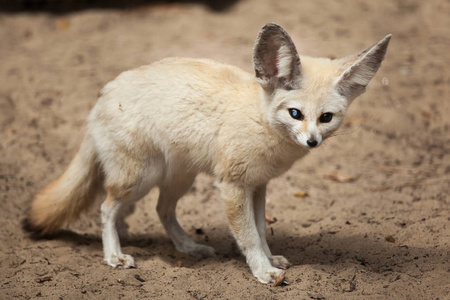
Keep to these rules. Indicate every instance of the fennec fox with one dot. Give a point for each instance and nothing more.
(162, 124)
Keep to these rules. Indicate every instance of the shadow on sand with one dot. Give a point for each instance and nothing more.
(317, 249)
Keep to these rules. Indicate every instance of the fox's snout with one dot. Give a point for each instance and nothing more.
(311, 138)
(312, 143)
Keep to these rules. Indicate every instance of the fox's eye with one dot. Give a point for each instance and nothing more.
(326, 118)
(296, 114)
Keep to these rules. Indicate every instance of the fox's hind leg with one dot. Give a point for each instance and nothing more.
(170, 193)
(111, 245)
(125, 183)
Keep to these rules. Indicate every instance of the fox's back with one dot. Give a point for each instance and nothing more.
(174, 107)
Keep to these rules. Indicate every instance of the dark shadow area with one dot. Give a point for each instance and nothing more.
(68, 6)
(317, 249)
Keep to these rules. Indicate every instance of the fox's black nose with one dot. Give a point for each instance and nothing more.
(312, 143)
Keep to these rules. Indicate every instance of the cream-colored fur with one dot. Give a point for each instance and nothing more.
(162, 124)
(65, 198)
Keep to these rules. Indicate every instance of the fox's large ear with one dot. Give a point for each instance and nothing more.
(360, 68)
(275, 59)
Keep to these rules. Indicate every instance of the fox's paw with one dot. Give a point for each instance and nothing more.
(202, 251)
(199, 250)
(124, 260)
(271, 275)
(279, 261)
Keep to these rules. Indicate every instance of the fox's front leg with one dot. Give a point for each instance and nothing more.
(259, 197)
(239, 207)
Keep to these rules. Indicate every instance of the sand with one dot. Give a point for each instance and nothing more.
(374, 223)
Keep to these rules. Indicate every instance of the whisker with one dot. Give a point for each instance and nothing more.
(343, 132)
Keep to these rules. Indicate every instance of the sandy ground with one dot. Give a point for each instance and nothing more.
(384, 234)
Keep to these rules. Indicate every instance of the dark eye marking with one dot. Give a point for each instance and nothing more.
(326, 117)
(296, 114)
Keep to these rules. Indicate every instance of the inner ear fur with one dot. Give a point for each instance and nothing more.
(360, 68)
(275, 59)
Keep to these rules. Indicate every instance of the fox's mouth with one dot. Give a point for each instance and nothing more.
(307, 143)
(310, 147)
(310, 143)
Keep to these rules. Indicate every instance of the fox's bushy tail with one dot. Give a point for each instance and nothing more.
(64, 199)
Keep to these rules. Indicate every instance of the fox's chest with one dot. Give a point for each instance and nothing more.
(259, 165)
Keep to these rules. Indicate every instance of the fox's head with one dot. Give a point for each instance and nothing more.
(307, 98)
